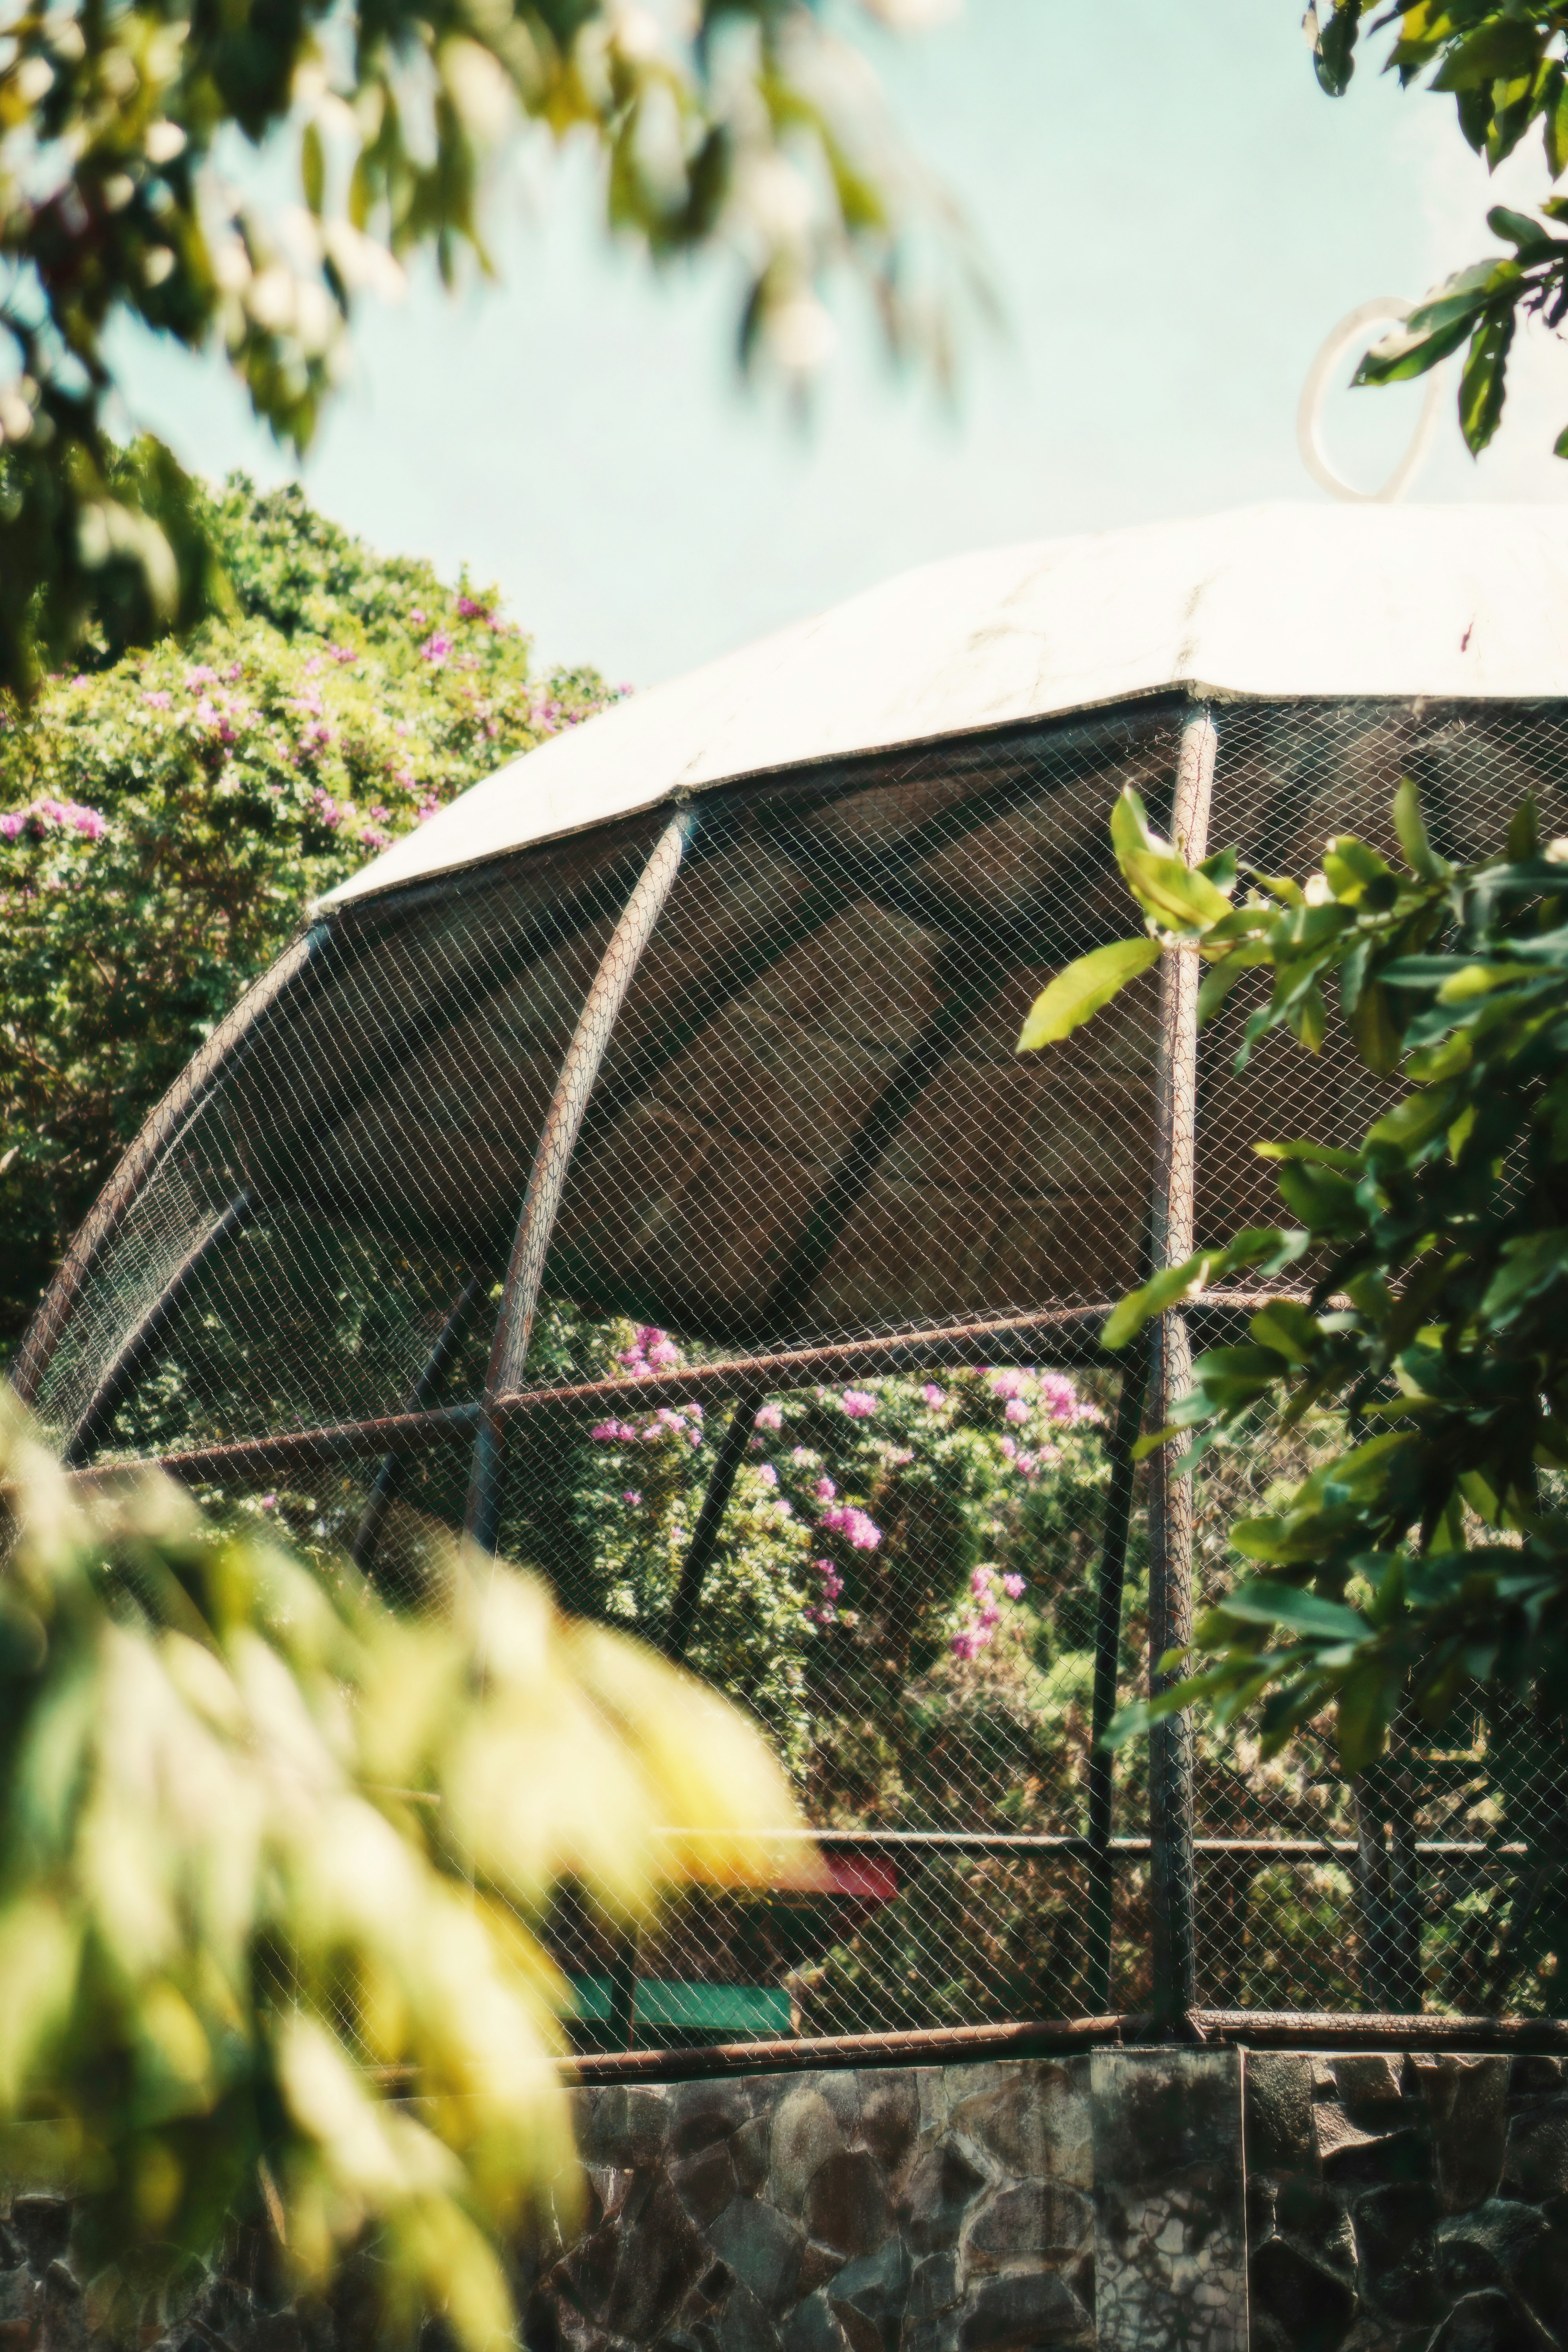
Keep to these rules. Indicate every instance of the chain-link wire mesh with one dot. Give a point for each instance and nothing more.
(812, 1397)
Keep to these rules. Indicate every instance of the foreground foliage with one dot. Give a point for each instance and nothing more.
(1505, 63)
(165, 820)
(1420, 1571)
(268, 1851)
(741, 125)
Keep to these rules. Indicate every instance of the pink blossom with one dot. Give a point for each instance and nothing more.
(80, 679)
(46, 816)
(199, 677)
(1015, 1410)
(374, 837)
(861, 1532)
(235, 670)
(694, 1436)
(991, 1614)
(631, 1494)
(326, 808)
(618, 1433)
(859, 1403)
(312, 666)
(436, 648)
(664, 1351)
(825, 1491)
(1010, 1448)
(800, 1455)
(965, 1643)
(341, 654)
(1007, 1384)
(11, 824)
(981, 1582)
(380, 816)
(767, 1474)
(1062, 1401)
(425, 809)
(934, 1396)
(416, 618)
(159, 699)
(470, 609)
(769, 1416)
(268, 1502)
(1012, 1586)
(824, 1613)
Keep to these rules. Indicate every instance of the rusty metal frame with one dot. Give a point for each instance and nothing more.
(1171, 1500)
(552, 1159)
(1060, 1336)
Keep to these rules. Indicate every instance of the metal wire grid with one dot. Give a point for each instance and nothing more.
(810, 1129)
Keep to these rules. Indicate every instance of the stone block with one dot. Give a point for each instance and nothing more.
(1393, 2232)
(1360, 2160)
(1037, 2221)
(702, 2112)
(658, 2255)
(705, 2182)
(875, 2288)
(847, 2204)
(805, 2132)
(812, 2328)
(1534, 2075)
(1313, 2305)
(762, 2247)
(889, 2117)
(1486, 2247)
(43, 2226)
(1466, 2103)
(625, 2126)
(742, 2325)
(1278, 2107)
(1367, 2078)
(1033, 2120)
(1488, 2321)
(1535, 2160)
(1022, 2309)
(943, 2182)
(818, 2266)
(936, 2285)
(1167, 2117)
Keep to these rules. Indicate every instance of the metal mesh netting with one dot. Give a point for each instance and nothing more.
(813, 1398)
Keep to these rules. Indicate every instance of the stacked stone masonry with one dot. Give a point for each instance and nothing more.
(1132, 2199)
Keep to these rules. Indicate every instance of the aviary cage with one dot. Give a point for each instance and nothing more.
(634, 1167)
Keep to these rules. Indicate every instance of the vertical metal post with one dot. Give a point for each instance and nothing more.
(558, 1138)
(1107, 1653)
(425, 1390)
(1170, 1377)
(704, 1541)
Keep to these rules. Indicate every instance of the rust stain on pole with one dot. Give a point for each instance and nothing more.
(1170, 1377)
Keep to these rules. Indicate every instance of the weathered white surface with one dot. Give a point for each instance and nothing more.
(1269, 600)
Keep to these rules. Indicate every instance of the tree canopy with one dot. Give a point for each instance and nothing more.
(1505, 64)
(166, 818)
(741, 124)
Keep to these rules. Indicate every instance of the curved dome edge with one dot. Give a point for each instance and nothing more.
(1264, 603)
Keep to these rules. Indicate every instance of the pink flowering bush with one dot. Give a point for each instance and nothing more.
(165, 820)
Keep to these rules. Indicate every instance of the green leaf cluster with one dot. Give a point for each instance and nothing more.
(733, 126)
(273, 1864)
(1505, 63)
(1426, 1560)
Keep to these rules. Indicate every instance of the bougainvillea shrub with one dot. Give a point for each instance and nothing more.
(166, 819)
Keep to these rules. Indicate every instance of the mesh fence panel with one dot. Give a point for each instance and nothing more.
(811, 1139)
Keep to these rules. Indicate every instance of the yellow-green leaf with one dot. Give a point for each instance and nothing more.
(1080, 991)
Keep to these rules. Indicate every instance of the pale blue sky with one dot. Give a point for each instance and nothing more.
(1174, 218)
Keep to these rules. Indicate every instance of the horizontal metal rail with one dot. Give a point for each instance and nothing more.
(1061, 1334)
(1066, 1846)
(934, 2046)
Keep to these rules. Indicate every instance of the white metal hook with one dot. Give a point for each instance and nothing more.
(1308, 415)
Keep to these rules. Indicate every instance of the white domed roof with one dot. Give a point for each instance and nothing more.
(1266, 603)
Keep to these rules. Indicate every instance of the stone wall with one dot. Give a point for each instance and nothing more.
(987, 2208)
(1136, 2200)
(1397, 2202)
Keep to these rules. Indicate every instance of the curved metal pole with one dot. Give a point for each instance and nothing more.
(1170, 1377)
(536, 1220)
(120, 1375)
(394, 1467)
(237, 1034)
